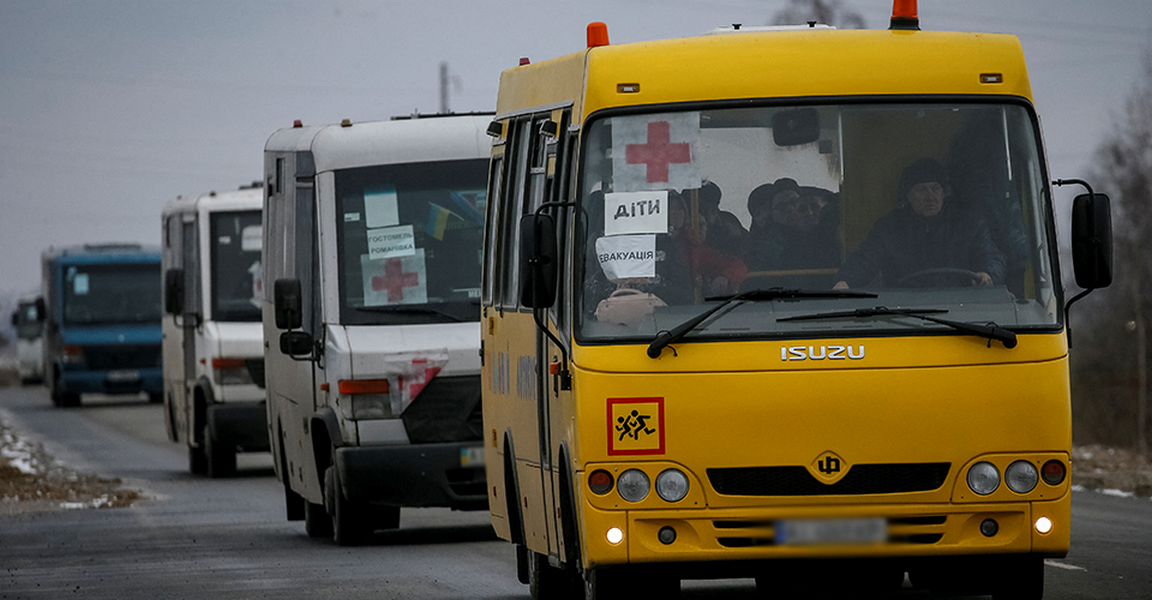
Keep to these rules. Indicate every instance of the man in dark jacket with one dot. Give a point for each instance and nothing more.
(921, 236)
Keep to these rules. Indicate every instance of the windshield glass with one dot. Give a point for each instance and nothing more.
(27, 325)
(102, 294)
(927, 205)
(410, 238)
(236, 274)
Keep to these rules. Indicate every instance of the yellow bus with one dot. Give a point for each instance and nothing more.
(782, 304)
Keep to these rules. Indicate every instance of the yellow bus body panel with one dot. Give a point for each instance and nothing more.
(779, 64)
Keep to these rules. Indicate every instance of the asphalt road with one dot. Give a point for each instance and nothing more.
(201, 538)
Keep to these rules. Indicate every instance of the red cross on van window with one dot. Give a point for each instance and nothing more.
(395, 280)
(658, 153)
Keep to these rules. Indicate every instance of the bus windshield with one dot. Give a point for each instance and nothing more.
(236, 275)
(410, 242)
(927, 206)
(105, 294)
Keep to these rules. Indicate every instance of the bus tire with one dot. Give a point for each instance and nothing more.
(197, 461)
(221, 455)
(546, 582)
(317, 523)
(1021, 579)
(349, 523)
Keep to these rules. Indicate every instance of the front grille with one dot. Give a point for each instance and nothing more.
(447, 410)
(106, 358)
(255, 370)
(860, 480)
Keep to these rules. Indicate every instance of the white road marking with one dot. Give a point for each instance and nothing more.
(1065, 566)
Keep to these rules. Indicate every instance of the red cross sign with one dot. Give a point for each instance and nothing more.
(655, 152)
(658, 153)
(395, 280)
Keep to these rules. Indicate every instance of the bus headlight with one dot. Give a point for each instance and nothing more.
(672, 485)
(983, 478)
(1054, 472)
(1021, 476)
(633, 485)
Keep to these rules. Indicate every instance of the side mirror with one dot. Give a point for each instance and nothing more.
(295, 343)
(1092, 241)
(174, 291)
(41, 309)
(795, 127)
(538, 258)
(286, 298)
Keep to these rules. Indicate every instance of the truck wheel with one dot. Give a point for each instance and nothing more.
(69, 400)
(349, 525)
(317, 523)
(221, 455)
(197, 462)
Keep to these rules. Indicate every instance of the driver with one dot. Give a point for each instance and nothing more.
(921, 235)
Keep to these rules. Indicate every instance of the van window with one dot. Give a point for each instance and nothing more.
(409, 240)
(236, 271)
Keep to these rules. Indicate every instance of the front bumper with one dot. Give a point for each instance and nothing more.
(414, 475)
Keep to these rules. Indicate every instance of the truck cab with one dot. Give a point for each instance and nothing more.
(101, 314)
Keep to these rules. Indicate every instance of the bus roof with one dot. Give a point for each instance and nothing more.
(422, 139)
(104, 252)
(791, 63)
(245, 198)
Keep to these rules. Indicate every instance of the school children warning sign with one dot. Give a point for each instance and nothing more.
(655, 152)
(635, 426)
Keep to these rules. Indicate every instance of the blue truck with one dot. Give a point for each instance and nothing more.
(101, 307)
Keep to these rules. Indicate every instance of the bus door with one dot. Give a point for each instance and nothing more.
(546, 182)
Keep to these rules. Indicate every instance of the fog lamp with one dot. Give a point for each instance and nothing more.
(1043, 525)
(615, 535)
(667, 535)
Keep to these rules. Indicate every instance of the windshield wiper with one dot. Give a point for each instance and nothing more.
(666, 337)
(410, 309)
(989, 330)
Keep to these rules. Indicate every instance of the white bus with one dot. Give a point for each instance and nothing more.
(213, 342)
(372, 237)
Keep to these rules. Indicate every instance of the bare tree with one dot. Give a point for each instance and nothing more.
(828, 12)
(1123, 170)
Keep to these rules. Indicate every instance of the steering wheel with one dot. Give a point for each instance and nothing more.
(969, 278)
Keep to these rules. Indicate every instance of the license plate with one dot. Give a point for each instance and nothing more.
(832, 531)
(472, 457)
(124, 375)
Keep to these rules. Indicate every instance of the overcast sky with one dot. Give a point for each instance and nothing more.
(109, 109)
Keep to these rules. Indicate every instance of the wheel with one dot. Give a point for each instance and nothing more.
(1021, 579)
(221, 456)
(546, 582)
(155, 397)
(961, 277)
(317, 523)
(349, 522)
(69, 400)
(620, 583)
(197, 461)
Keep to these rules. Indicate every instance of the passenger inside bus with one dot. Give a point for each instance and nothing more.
(925, 241)
(793, 227)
